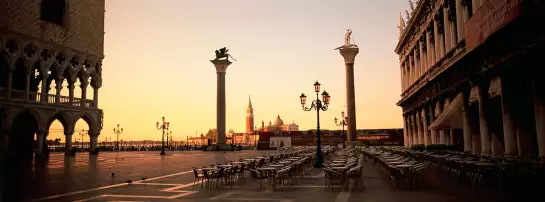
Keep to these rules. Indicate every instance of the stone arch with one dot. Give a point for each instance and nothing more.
(88, 118)
(37, 115)
(65, 120)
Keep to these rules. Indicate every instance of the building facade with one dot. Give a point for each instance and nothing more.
(46, 43)
(469, 76)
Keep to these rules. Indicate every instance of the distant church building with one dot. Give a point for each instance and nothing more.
(250, 117)
(278, 125)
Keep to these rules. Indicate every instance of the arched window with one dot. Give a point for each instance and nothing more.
(53, 11)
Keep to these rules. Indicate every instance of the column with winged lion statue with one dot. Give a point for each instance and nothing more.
(221, 62)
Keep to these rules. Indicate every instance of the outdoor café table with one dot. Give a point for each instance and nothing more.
(285, 162)
(276, 165)
(339, 161)
(225, 166)
(273, 171)
(237, 162)
(407, 170)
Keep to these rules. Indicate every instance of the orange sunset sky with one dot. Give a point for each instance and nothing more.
(157, 63)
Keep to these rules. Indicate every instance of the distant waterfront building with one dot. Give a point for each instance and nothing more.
(469, 76)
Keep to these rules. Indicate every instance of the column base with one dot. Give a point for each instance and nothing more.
(220, 147)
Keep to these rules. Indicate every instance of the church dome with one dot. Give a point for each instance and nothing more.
(278, 121)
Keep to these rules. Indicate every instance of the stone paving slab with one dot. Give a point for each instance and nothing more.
(170, 179)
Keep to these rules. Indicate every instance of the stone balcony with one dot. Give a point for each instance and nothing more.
(18, 96)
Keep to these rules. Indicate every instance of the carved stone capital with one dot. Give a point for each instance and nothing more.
(349, 54)
(221, 65)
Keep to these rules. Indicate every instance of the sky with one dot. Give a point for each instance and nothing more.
(157, 63)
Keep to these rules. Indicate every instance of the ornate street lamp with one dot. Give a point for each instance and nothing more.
(342, 123)
(117, 131)
(163, 126)
(255, 137)
(82, 133)
(318, 105)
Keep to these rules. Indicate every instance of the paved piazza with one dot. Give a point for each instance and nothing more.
(170, 178)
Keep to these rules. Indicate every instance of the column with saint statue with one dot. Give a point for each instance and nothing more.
(349, 50)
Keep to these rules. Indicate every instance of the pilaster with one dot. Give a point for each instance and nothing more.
(486, 150)
(509, 128)
(432, 119)
(425, 134)
(539, 110)
(460, 22)
(468, 144)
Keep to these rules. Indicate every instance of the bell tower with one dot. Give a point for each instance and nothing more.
(249, 117)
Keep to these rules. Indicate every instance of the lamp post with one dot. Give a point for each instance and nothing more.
(318, 105)
(163, 126)
(342, 123)
(255, 137)
(117, 131)
(82, 133)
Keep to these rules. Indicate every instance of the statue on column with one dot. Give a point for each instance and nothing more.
(411, 4)
(348, 40)
(222, 53)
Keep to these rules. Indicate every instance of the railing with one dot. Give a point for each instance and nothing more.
(33, 97)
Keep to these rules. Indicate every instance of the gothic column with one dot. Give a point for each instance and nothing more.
(465, 123)
(509, 128)
(45, 88)
(71, 93)
(486, 150)
(460, 22)
(68, 142)
(425, 134)
(10, 84)
(40, 140)
(539, 110)
(83, 86)
(27, 86)
(432, 119)
(58, 87)
(95, 97)
(93, 143)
